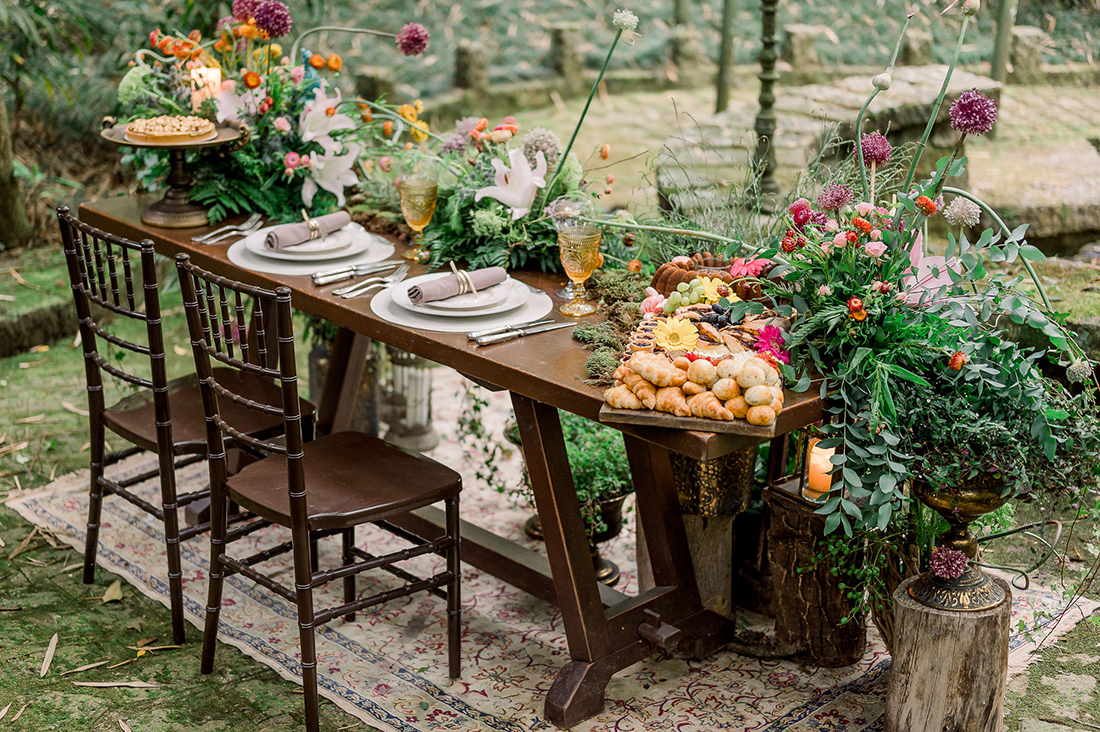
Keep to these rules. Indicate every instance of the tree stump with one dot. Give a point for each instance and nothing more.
(810, 606)
(950, 668)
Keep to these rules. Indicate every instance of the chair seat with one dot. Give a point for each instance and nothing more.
(133, 417)
(351, 478)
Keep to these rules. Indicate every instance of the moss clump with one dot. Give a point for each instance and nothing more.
(600, 365)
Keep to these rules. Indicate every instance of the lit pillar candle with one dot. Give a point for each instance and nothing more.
(205, 83)
(818, 481)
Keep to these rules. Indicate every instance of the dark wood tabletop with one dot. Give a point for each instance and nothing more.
(548, 367)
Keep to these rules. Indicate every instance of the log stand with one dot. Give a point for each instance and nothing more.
(950, 667)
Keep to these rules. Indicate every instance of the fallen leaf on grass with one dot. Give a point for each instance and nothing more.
(144, 642)
(15, 447)
(86, 667)
(24, 544)
(125, 727)
(180, 350)
(2, 544)
(122, 663)
(113, 593)
(19, 713)
(49, 657)
(4, 711)
(71, 567)
(10, 609)
(35, 562)
(113, 684)
(7, 298)
(70, 407)
(31, 420)
(40, 349)
(28, 364)
(141, 649)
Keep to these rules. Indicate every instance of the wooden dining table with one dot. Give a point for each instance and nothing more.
(606, 629)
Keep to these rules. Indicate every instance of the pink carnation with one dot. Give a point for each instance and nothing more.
(824, 291)
(840, 240)
(863, 208)
(297, 74)
(282, 125)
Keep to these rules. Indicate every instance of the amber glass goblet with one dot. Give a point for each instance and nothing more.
(579, 247)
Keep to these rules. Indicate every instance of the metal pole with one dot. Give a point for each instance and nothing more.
(1006, 18)
(725, 56)
(764, 158)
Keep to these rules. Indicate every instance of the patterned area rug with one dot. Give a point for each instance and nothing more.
(388, 667)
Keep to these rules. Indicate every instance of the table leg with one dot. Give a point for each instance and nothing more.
(578, 691)
(347, 363)
(658, 511)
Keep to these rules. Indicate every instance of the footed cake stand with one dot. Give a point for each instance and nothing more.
(176, 210)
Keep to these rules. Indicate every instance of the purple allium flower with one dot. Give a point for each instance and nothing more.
(413, 39)
(948, 564)
(273, 17)
(454, 143)
(973, 113)
(245, 10)
(836, 197)
(226, 22)
(876, 148)
(819, 218)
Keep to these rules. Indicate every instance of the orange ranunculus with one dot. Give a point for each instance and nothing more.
(196, 52)
(367, 117)
(165, 43)
(249, 31)
(634, 265)
(387, 128)
(317, 61)
(334, 62)
(511, 128)
(182, 50)
(221, 46)
(154, 37)
(195, 35)
(482, 124)
(605, 151)
(251, 79)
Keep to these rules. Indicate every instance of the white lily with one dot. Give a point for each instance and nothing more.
(320, 119)
(331, 172)
(229, 103)
(516, 186)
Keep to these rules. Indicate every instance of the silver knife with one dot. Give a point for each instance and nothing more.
(504, 328)
(344, 273)
(520, 333)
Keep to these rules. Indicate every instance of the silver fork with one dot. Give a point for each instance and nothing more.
(361, 287)
(246, 224)
(241, 232)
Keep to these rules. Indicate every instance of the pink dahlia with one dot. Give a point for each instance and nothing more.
(412, 40)
(973, 113)
(948, 564)
(876, 148)
(770, 341)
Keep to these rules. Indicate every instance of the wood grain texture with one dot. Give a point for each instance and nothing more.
(950, 668)
(810, 605)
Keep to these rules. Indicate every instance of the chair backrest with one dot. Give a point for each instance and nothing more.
(221, 331)
(102, 279)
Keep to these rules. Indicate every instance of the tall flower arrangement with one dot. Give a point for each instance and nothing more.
(308, 143)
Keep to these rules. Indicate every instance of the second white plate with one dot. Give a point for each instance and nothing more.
(508, 295)
(346, 242)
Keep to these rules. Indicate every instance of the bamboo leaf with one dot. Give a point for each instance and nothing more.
(113, 593)
(86, 667)
(4, 711)
(49, 657)
(114, 684)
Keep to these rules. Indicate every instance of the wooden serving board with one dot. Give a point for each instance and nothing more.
(651, 418)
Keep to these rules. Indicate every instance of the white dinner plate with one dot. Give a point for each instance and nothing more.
(346, 242)
(508, 295)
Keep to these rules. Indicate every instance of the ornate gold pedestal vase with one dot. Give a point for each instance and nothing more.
(959, 506)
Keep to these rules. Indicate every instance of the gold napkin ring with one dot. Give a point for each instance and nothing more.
(314, 227)
(465, 282)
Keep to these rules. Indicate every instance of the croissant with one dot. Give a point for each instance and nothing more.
(707, 406)
(641, 388)
(671, 399)
(691, 388)
(621, 372)
(620, 397)
(657, 370)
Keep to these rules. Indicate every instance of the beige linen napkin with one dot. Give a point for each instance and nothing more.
(444, 287)
(287, 235)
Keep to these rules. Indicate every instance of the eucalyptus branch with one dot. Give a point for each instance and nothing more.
(1007, 232)
(334, 28)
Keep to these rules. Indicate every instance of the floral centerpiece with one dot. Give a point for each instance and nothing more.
(307, 143)
(491, 213)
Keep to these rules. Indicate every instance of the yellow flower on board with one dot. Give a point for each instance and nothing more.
(419, 131)
(409, 112)
(710, 289)
(676, 334)
(419, 106)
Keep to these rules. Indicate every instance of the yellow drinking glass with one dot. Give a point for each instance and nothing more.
(418, 189)
(579, 247)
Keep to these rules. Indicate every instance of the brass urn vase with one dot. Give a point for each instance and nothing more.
(959, 505)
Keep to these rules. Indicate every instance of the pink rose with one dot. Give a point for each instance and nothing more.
(840, 240)
(293, 160)
(385, 164)
(305, 160)
(297, 74)
(832, 226)
(874, 249)
(863, 208)
(826, 248)
(282, 124)
(824, 291)
(876, 234)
